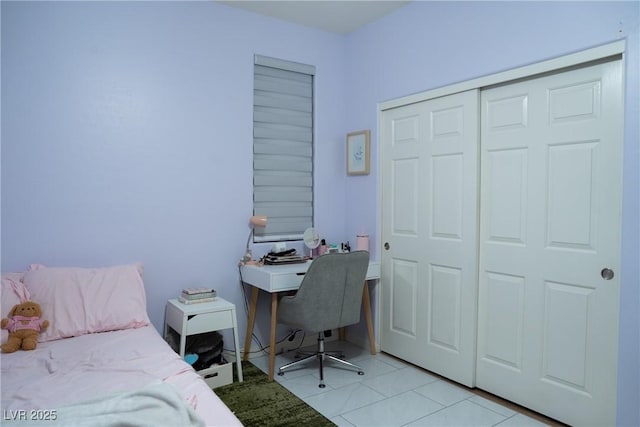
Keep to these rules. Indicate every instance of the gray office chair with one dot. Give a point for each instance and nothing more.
(329, 297)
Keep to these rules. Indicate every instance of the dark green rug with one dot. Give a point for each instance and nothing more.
(259, 402)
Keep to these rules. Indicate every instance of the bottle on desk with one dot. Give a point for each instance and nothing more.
(322, 249)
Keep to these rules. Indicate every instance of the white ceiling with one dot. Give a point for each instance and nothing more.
(341, 17)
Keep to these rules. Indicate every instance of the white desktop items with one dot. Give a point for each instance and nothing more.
(325, 248)
(279, 247)
(311, 239)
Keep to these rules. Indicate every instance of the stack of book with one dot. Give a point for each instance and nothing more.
(286, 257)
(197, 295)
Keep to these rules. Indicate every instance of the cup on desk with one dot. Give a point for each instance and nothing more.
(362, 242)
(322, 249)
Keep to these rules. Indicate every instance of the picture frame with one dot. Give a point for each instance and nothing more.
(358, 152)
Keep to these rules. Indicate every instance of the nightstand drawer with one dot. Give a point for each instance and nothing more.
(218, 375)
(206, 322)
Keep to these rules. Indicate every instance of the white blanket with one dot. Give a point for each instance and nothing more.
(158, 404)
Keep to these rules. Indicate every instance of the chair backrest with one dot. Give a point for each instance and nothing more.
(330, 295)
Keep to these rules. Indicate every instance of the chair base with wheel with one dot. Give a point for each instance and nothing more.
(322, 356)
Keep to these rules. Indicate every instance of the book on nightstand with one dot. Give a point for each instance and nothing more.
(196, 295)
(195, 301)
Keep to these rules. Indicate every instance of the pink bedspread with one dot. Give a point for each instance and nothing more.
(73, 370)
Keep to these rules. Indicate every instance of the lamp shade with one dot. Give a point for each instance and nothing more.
(258, 221)
(254, 221)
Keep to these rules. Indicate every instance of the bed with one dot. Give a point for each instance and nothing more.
(100, 362)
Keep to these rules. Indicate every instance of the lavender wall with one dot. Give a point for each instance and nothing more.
(127, 136)
(425, 45)
(126, 128)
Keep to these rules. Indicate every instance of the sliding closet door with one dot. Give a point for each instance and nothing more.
(551, 156)
(429, 232)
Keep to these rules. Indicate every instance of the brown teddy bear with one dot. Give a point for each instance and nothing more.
(24, 327)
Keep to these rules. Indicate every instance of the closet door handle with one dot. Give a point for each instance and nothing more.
(386, 246)
(607, 273)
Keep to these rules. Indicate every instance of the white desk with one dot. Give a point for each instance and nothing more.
(283, 278)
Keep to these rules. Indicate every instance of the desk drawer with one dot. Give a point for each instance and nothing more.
(286, 282)
(207, 322)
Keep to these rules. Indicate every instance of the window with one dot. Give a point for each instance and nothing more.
(282, 148)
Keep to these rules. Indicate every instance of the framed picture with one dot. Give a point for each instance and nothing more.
(358, 152)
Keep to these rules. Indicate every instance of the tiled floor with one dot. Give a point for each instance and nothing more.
(391, 393)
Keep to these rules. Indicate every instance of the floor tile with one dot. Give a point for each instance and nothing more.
(341, 422)
(391, 393)
(308, 368)
(374, 366)
(350, 351)
(395, 411)
(338, 377)
(461, 414)
(303, 385)
(390, 360)
(399, 381)
(443, 392)
(283, 359)
(344, 399)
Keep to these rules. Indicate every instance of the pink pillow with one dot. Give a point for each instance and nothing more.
(79, 301)
(12, 287)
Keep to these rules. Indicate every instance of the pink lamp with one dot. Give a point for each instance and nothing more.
(254, 221)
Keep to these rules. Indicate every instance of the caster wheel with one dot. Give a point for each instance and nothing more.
(360, 373)
(281, 373)
(321, 385)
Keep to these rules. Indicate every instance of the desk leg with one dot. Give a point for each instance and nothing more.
(272, 337)
(366, 303)
(252, 318)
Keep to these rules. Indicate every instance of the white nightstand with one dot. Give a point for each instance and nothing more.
(190, 319)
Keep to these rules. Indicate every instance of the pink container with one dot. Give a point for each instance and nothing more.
(362, 242)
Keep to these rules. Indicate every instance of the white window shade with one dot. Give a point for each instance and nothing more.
(282, 148)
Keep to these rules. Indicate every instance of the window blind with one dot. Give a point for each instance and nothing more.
(282, 148)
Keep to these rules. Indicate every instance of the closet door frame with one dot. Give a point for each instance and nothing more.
(551, 65)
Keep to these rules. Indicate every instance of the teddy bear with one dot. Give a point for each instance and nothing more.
(24, 326)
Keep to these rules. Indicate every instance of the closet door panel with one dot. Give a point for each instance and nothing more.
(571, 201)
(504, 302)
(444, 297)
(446, 194)
(405, 197)
(403, 307)
(551, 155)
(506, 196)
(402, 295)
(430, 175)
